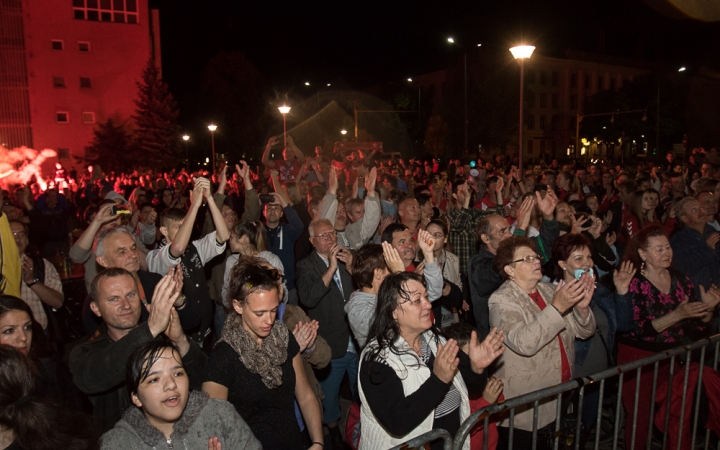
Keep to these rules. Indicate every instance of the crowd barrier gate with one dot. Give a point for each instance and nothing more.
(683, 353)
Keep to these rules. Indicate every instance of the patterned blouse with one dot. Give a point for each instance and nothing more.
(649, 303)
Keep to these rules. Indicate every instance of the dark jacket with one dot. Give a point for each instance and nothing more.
(619, 312)
(326, 304)
(98, 368)
(694, 258)
(281, 241)
(484, 280)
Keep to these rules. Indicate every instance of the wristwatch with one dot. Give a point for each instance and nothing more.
(33, 282)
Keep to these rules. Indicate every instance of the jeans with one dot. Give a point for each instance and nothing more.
(330, 379)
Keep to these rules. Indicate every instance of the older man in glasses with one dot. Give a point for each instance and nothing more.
(324, 286)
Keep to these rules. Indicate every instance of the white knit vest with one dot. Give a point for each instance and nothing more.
(413, 373)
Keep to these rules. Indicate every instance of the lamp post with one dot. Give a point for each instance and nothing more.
(284, 110)
(186, 138)
(212, 129)
(452, 41)
(521, 52)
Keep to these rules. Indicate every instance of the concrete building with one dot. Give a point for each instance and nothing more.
(66, 65)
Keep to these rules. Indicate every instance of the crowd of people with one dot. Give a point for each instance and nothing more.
(236, 309)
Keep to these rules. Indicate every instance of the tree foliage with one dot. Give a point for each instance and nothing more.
(112, 147)
(156, 129)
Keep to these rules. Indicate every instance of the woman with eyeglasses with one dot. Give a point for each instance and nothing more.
(412, 380)
(541, 323)
(257, 366)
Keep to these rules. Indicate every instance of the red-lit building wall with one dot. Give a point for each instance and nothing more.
(117, 53)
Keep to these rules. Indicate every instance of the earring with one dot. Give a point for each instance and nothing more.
(642, 268)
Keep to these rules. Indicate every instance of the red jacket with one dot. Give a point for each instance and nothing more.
(477, 432)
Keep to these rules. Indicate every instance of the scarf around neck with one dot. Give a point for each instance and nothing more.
(265, 360)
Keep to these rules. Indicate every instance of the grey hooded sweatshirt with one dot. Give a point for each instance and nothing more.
(203, 419)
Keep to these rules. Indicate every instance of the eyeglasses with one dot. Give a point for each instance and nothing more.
(327, 236)
(528, 259)
(259, 278)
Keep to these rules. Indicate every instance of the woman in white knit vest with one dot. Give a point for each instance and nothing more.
(412, 380)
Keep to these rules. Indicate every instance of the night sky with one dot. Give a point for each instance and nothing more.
(359, 44)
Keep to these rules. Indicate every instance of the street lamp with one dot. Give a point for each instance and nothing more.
(284, 110)
(212, 129)
(521, 52)
(343, 132)
(186, 138)
(452, 41)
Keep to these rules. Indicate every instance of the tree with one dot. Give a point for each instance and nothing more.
(156, 113)
(112, 147)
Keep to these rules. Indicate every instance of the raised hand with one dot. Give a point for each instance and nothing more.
(279, 199)
(446, 361)
(622, 277)
(548, 203)
(588, 285)
(524, 213)
(346, 256)
(332, 259)
(483, 354)
(214, 444)
(610, 238)
(493, 389)
(163, 299)
(499, 185)
(567, 295)
(370, 182)
(104, 214)
(305, 334)
(333, 182)
(577, 224)
(711, 297)
(179, 277)
(392, 258)
(152, 217)
(691, 310)
(426, 242)
(420, 268)
(595, 227)
(387, 220)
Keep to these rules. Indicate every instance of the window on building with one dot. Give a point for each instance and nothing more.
(88, 117)
(543, 78)
(542, 146)
(63, 153)
(601, 83)
(56, 44)
(613, 84)
(85, 82)
(531, 99)
(556, 79)
(62, 117)
(554, 122)
(587, 81)
(530, 74)
(59, 82)
(83, 47)
(553, 147)
(530, 121)
(573, 80)
(573, 102)
(543, 100)
(542, 122)
(530, 147)
(554, 100)
(119, 11)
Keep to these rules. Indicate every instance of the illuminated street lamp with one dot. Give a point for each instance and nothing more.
(186, 138)
(521, 52)
(212, 129)
(284, 110)
(343, 132)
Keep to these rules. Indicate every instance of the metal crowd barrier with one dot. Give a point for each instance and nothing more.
(533, 399)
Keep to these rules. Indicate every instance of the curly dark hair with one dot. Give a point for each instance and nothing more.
(506, 253)
(384, 328)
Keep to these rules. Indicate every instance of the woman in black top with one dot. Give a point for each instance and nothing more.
(256, 365)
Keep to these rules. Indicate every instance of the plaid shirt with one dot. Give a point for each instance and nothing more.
(463, 222)
(52, 281)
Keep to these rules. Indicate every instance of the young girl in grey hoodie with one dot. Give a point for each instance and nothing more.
(166, 415)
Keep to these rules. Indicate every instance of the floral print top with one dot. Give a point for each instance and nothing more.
(649, 303)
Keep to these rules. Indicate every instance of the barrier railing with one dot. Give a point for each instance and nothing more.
(579, 384)
(572, 439)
